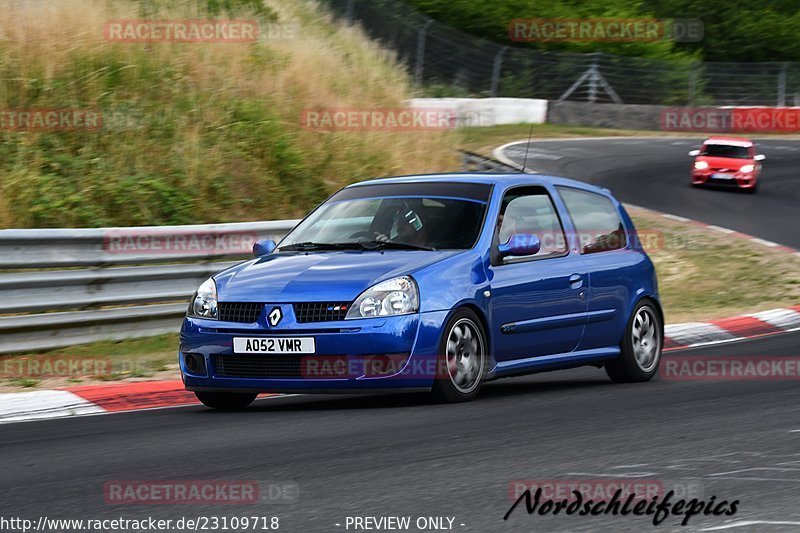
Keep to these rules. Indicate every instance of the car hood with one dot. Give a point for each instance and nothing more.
(725, 162)
(319, 276)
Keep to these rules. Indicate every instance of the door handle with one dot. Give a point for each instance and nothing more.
(576, 281)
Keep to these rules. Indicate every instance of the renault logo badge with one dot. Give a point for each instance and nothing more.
(275, 316)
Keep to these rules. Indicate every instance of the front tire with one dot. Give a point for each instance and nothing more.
(463, 358)
(225, 401)
(641, 346)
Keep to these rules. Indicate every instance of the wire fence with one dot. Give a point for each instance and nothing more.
(450, 62)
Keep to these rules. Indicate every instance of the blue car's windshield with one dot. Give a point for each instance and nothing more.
(405, 221)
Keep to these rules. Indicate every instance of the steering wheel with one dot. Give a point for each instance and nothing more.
(369, 234)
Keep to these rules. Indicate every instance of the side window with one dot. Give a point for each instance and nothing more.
(596, 220)
(530, 210)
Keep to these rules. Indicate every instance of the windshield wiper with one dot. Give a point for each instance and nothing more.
(381, 245)
(357, 245)
(310, 246)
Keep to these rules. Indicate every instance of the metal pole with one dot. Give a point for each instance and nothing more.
(423, 31)
(782, 85)
(593, 79)
(575, 85)
(498, 64)
(692, 82)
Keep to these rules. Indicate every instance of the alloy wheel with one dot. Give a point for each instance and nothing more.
(465, 355)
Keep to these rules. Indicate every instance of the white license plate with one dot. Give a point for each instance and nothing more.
(273, 345)
(723, 176)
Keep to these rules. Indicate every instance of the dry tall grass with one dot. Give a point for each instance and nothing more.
(202, 132)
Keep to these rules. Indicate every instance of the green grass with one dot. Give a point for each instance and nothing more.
(156, 351)
(697, 268)
(191, 132)
(25, 383)
(144, 357)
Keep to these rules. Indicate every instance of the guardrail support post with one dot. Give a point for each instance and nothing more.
(496, 68)
(348, 16)
(693, 83)
(421, 36)
(782, 85)
(593, 79)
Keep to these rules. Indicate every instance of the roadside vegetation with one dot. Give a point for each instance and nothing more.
(142, 359)
(192, 132)
(697, 267)
(726, 29)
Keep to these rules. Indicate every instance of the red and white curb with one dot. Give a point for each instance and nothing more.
(693, 334)
(139, 396)
(95, 399)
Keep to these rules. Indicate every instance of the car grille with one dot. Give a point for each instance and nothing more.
(296, 366)
(721, 181)
(254, 366)
(320, 311)
(248, 312)
(241, 312)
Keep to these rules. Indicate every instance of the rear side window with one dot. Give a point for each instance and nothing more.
(596, 221)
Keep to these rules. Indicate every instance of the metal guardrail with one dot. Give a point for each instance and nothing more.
(111, 283)
(472, 162)
(64, 247)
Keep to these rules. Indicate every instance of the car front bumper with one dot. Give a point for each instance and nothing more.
(365, 355)
(742, 180)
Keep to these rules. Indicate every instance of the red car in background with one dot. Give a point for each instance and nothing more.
(727, 161)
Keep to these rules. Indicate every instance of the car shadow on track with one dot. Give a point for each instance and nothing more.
(491, 391)
(729, 189)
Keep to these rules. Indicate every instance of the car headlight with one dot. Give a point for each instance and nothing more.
(397, 296)
(700, 165)
(747, 168)
(204, 302)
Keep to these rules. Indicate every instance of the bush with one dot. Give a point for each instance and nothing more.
(191, 133)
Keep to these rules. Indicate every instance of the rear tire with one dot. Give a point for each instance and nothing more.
(641, 346)
(225, 401)
(462, 360)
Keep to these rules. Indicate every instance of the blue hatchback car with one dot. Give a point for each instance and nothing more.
(435, 283)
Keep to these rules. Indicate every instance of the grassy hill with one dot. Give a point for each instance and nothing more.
(191, 132)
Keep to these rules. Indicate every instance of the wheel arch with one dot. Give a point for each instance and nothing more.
(657, 306)
(481, 314)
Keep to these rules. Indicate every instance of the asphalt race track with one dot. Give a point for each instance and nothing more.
(654, 173)
(398, 455)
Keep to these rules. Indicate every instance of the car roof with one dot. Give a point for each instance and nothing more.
(733, 141)
(503, 180)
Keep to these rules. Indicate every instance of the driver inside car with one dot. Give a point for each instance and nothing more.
(406, 227)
